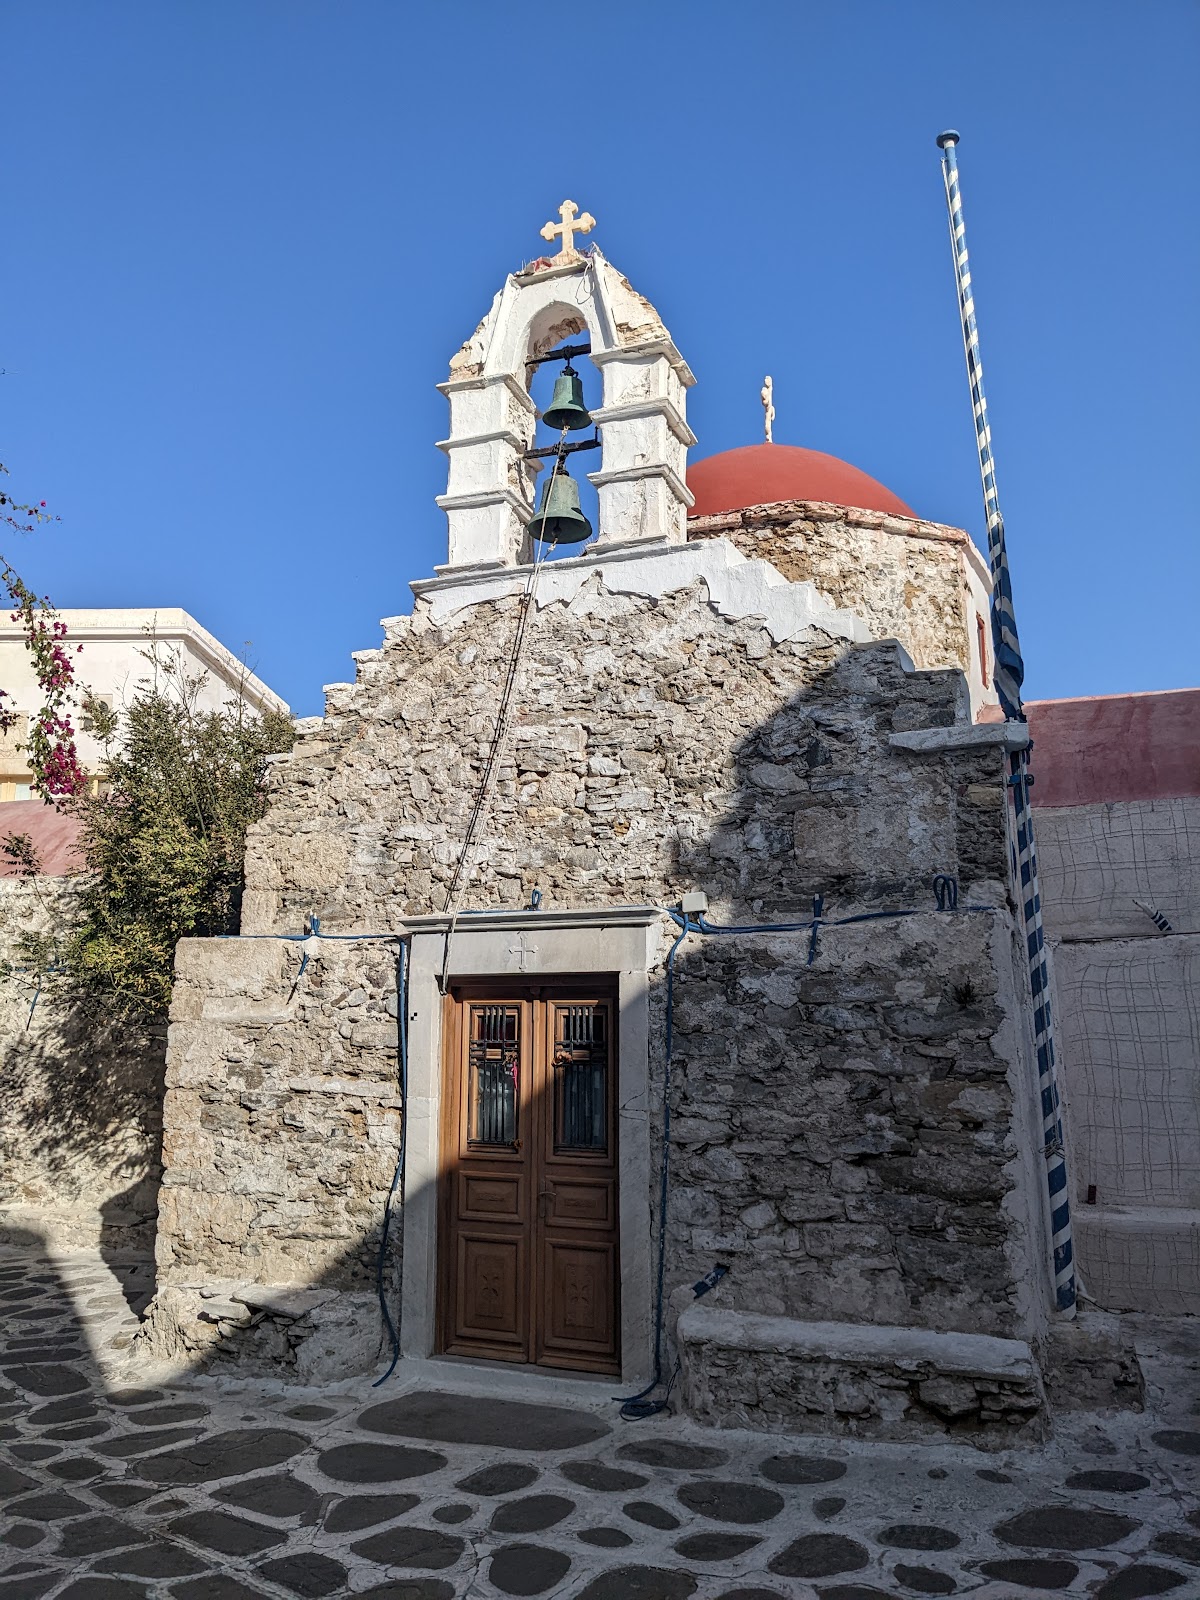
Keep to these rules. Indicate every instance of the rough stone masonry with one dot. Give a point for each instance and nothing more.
(774, 706)
(851, 1135)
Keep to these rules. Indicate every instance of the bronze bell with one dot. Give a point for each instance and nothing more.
(558, 519)
(566, 408)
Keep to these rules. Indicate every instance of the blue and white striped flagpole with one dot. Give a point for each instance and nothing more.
(1009, 673)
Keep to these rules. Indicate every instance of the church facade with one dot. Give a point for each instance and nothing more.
(630, 981)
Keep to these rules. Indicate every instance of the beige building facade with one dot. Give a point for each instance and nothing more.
(119, 651)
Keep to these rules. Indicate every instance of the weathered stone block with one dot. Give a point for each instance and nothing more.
(868, 1382)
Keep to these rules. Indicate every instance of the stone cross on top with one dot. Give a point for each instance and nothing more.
(571, 224)
(640, 487)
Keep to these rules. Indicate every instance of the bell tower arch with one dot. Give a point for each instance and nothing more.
(640, 484)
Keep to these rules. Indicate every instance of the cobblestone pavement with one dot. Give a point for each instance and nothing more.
(209, 1489)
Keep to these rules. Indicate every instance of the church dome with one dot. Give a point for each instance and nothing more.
(759, 474)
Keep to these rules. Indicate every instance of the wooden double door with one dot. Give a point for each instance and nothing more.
(528, 1259)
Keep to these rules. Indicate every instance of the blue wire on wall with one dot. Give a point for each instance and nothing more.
(312, 930)
(398, 1175)
(636, 1407)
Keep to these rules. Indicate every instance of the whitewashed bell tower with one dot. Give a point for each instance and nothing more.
(489, 498)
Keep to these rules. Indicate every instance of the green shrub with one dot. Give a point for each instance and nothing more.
(164, 841)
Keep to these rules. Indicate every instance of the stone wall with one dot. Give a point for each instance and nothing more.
(850, 1140)
(847, 1135)
(906, 578)
(283, 1116)
(851, 1128)
(757, 1371)
(81, 1107)
(659, 746)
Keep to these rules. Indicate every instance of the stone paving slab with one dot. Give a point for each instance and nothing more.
(119, 1484)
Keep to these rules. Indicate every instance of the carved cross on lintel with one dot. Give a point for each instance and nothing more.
(521, 951)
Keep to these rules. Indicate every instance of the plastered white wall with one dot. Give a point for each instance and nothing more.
(113, 662)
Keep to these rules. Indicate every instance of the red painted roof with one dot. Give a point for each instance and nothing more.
(759, 474)
(54, 836)
(1115, 747)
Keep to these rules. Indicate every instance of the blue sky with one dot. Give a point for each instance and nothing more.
(244, 238)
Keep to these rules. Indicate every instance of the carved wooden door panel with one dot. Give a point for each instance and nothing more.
(577, 1190)
(487, 1175)
(529, 1268)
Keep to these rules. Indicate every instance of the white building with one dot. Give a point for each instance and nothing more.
(118, 655)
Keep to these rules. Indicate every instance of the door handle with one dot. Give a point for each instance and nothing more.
(544, 1194)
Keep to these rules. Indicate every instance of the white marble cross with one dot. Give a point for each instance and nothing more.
(571, 224)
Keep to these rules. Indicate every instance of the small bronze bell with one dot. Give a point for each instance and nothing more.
(566, 408)
(559, 520)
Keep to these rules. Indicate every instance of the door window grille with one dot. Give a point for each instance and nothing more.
(495, 1052)
(581, 1077)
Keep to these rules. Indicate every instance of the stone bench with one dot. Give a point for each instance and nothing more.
(745, 1371)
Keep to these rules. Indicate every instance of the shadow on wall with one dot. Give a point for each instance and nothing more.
(126, 1240)
(842, 1129)
(494, 1303)
(834, 1148)
(81, 1127)
(823, 805)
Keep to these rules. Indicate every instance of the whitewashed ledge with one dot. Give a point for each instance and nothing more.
(840, 1379)
(967, 736)
(975, 1355)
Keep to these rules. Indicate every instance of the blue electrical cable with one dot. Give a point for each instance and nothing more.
(398, 1175)
(703, 925)
(945, 891)
(636, 1407)
(313, 931)
(37, 993)
(300, 938)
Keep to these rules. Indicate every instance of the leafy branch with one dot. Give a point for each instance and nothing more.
(164, 844)
(50, 742)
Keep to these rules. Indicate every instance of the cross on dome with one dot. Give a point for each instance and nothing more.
(572, 223)
(767, 396)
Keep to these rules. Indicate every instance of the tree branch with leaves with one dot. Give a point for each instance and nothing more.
(163, 839)
(164, 843)
(56, 773)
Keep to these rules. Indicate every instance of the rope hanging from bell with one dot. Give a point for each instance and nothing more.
(559, 519)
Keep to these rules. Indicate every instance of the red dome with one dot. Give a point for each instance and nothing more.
(759, 474)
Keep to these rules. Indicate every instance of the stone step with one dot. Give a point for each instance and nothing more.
(743, 1370)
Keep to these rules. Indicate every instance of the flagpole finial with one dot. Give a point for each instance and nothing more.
(949, 137)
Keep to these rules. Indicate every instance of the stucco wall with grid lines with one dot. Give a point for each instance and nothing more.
(1128, 1000)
